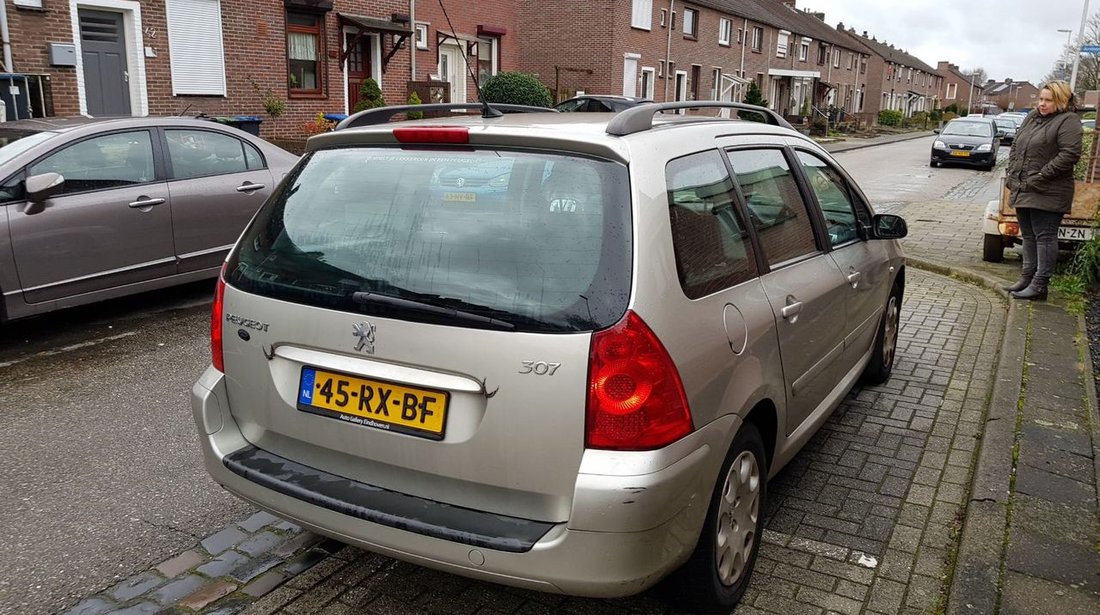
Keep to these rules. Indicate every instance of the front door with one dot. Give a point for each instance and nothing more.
(452, 69)
(359, 66)
(106, 74)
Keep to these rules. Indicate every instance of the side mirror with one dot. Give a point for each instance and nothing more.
(889, 226)
(42, 187)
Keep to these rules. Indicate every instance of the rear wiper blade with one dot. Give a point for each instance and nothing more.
(428, 308)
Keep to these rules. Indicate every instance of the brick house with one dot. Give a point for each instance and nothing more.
(958, 88)
(899, 80)
(227, 57)
(1009, 95)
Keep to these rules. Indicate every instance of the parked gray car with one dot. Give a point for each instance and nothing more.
(580, 385)
(92, 209)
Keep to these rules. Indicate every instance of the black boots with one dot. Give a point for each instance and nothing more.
(1020, 285)
(1033, 292)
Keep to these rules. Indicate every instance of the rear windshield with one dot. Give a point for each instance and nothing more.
(496, 239)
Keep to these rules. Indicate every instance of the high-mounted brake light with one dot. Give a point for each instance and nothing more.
(216, 357)
(636, 400)
(432, 134)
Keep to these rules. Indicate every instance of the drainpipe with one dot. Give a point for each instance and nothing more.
(668, 49)
(5, 36)
(744, 41)
(412, 48)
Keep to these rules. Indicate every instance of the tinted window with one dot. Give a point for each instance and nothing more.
(842, 217)
(198, 153)
(712, 246)
(537, 242)
(108, 161)
(774, 204)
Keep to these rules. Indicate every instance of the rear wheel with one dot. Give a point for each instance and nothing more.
(886, 341)
(993, 250)
(718, 573)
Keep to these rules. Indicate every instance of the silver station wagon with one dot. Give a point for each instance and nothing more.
(557, 351)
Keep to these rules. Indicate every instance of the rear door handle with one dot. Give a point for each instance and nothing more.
(249, 187)
(854, 278)
(791, 310)
(146, 203)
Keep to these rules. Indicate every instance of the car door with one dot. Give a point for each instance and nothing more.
(863, 263)
(216, 182)
(803, 285)
(110, 225)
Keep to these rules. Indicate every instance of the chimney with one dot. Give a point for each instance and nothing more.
(864, 34)
(819, 15)
(840, 26)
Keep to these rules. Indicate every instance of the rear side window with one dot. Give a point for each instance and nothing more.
(773, 202)
(199, 153)
(712, 246)
(493, 239)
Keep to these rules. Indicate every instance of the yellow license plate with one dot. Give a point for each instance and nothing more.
(374, 403)
(961, 154)
(461, 197)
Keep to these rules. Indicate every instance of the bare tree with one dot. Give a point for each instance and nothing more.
(1088, 69)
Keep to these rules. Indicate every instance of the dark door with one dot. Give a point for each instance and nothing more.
(359, 66)
(106, 75)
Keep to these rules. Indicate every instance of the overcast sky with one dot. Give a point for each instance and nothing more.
(1008, 38)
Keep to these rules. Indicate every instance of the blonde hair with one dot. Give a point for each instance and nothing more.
(1059, 93)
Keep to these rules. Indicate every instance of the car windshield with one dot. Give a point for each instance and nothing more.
(481, 238)
(14, 143)
(1006, 124)
(968, 129)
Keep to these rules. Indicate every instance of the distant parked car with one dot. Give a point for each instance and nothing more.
(1007, 126)
(100, 208)
(967, 140)
(600, 103)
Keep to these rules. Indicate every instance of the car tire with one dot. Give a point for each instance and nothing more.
(993, 249)
(886, 341)
(718, 572)
(932, 163)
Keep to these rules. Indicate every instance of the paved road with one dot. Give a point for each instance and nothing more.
(106, 484)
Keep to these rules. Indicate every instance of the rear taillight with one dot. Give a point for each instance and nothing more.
(636, 400)
(432, 134)
(216, 324)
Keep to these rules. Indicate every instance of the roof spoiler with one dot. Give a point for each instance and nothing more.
(381, 115)
(640, 118)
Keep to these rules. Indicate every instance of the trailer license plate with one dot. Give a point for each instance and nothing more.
(1075, 233)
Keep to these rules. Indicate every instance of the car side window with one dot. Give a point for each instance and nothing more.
(13, 189)
(709, 238)
(572, 105)
(108, 161)
(774, 204)
(842, 217)
(598, 106)
(200, 153)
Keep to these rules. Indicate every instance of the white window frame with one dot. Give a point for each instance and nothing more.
(196, 49)
(421, 31)
(757, 38)
(836, 58)
(725, 31)
(716, 86)
(661, 68)
(630, 73)
(641, 16)
(649, 80)
(135, 58)
(804, 49)
(691, 23)
(952, 91)
(782, 41)
(30, 4)
(664, 18)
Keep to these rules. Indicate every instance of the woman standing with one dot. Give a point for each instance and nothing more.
(1040, 180)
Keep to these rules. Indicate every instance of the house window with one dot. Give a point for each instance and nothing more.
(486, 58)
(781, 43)
(660, 68)
(804, 50)
(740, 36)
(725, 30)
(642, 17)
(691, 23)
(664, 18)
(195, 47)
(851, 61)
(909, 76)
(757, 38)
(648, 78)
(836, 58)
(862, 65)
(696, 77)
(822, 53)
(672, 21)
(421, 36)
(305, 56)
(716, 89)
(951, 90)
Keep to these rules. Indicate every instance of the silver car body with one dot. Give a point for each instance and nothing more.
(147, 203)
(510, 493)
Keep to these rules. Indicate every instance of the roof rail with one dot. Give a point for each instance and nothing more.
(381, 115)
(640, 118)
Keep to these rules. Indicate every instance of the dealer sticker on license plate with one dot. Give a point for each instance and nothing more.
(379, 404)
(1075, 233)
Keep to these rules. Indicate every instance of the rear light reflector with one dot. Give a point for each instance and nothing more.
(636, 400)
(216, 320)
(432, 134)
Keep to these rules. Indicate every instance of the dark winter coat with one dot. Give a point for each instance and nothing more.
(1040, 165)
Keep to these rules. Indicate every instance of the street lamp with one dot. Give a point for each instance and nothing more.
(1077, 47)
(1065, 52)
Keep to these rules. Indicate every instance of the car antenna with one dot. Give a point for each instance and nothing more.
(486, 110)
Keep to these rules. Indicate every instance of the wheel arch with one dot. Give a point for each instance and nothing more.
(765, 417)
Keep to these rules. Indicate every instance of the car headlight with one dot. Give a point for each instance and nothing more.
(985, 147)
(939, 144)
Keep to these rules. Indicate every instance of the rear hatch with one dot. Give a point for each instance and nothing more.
(419, 319)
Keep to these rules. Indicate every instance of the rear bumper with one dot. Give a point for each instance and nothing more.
(655, 502)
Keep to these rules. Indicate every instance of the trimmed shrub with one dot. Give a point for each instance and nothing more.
(370, 96)
(889, 117)
(516, 88)
(753, 97)
(414, 99)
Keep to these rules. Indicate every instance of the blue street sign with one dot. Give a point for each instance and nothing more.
(1090, 49)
